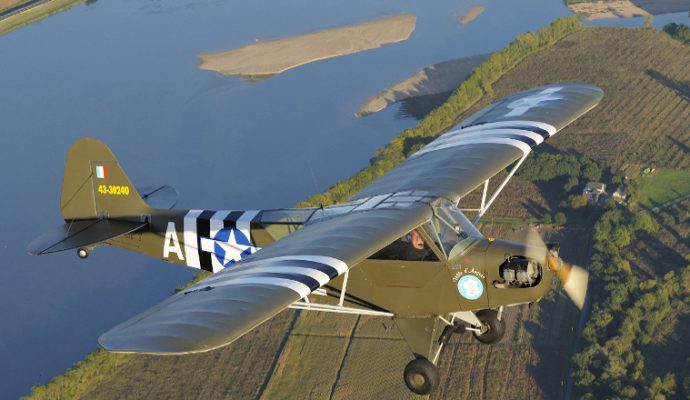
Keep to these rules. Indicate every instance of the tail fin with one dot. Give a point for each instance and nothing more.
(94, 185)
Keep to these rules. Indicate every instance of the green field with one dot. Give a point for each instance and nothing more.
(663, 186)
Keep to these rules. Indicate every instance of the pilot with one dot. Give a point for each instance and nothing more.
(416, 240)
(410, 247)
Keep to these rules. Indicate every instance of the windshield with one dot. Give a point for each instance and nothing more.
(455, 233)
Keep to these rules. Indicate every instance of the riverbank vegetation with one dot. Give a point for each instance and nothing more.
(680, 32)
(36, 13)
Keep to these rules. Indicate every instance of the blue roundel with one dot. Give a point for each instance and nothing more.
(470, 287)
(234, 237)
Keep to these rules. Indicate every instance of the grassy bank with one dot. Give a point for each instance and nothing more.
(36, 14)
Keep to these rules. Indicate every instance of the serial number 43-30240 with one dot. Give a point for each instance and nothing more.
(116, 190)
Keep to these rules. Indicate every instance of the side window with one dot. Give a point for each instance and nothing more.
(411, 247)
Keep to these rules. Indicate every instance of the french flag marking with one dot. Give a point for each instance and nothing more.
(100, 172)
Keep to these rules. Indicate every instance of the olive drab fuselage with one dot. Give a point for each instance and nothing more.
(402, 287)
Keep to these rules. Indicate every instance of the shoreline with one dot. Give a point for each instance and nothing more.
(435, 79)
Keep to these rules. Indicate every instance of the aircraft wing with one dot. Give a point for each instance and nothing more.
(225, 306)
(476, 149)
(221, 308)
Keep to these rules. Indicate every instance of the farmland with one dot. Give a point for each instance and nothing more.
(644, 119)
(663, 186)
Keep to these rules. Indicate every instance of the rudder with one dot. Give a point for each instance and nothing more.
(95, 186)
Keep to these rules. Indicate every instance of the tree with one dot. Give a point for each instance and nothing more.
(559, 218)
(547, 219)
(646, 223)
(662, 388)
(680, 32)
(578, 201)
(591, 172)
(621, 237)
(571, 183)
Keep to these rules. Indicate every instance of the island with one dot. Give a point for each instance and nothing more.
(265, 58)
(471, 15)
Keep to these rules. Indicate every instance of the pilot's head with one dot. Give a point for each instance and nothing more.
(416, 240)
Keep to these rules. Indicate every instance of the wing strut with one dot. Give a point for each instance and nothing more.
(344, 290)
(486, 204)
(340, 308)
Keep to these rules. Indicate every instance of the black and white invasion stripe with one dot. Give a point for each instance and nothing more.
(521, 134)
(200, 224)
(300, 273)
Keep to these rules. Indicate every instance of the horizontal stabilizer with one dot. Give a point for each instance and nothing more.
(81, 234)
(159, 196)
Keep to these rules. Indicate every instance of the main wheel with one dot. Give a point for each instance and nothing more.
(493, 329)
(421, 376)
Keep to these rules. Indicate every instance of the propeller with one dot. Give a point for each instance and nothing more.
(573, 277)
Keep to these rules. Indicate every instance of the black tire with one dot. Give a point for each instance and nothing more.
(421, 376)
(496, 328)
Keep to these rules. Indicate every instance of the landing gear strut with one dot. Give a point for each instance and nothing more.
(421, 376)
(82, 253)
(493, 329)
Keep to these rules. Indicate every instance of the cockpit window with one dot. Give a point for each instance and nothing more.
(456, 234)
(448, 234)
(411, 247)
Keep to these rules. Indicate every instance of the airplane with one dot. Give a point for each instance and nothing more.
(399, 248)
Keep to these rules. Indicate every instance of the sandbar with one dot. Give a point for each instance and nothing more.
(471, 15)
(263, 59)
(628, 9)
(434, 79)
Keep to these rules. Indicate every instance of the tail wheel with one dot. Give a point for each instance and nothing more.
(421, 376)
(82, 253)
(493, 329)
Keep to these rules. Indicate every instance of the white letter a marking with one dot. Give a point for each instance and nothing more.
(172, 243)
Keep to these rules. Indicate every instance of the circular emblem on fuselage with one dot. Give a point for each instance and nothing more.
(470, 287)
(231, 245)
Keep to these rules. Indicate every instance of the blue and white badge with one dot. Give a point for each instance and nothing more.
(470, 287)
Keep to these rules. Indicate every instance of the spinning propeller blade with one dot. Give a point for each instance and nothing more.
(573, 278)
